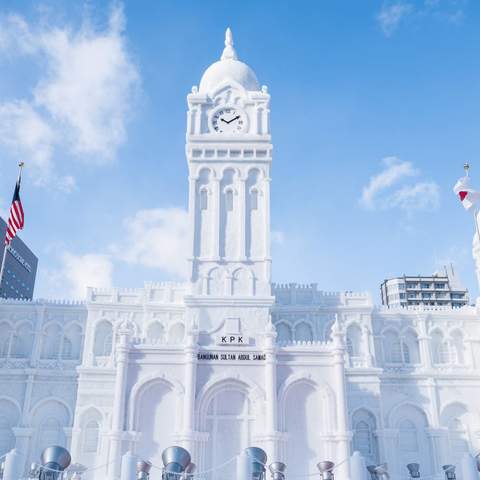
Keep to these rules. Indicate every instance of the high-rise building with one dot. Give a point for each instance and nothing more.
(20, 268)
(439, 289)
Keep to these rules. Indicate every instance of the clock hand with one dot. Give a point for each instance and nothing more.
(233, 119)
(223, 120)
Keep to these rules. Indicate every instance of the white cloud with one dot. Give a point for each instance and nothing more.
(82, 271)
(420, 196)
(157, 238)
(394, 171)
(391, 15)
(81, 100)
(388, 189)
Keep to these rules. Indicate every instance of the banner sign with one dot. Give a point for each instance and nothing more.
(221, 356)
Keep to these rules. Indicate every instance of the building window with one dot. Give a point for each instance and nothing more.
(203, 199)
(426, 285)
(440, 285)
(90, 443)
(229, 200)
(407, 437)
(254, 199)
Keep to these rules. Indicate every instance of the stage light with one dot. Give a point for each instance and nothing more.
(382, 472)
(189, 471)
(414, 470)
(54, 461)
(449, 472)
(143, 470)
(277, 469)
(259, 460)
(371, 470)
(175, 460)
(326, 470)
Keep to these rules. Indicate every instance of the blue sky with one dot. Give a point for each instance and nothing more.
(375, 108)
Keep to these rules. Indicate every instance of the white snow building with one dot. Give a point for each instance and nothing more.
(229, 359)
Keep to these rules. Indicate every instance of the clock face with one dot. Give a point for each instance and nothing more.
(228, 120)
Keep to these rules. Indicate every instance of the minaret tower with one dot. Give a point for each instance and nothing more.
(229, 153)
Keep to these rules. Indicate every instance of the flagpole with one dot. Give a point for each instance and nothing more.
(466, 167)
(2, 268)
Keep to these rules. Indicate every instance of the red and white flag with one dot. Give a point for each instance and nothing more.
(16, 219)
(468, 196)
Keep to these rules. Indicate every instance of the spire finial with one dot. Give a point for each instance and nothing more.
(229, 52)
(466, 167)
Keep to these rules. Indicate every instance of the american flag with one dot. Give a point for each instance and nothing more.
(16, 219)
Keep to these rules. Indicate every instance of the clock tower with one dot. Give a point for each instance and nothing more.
(229, 153)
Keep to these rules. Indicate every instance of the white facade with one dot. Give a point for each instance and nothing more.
(228, 359)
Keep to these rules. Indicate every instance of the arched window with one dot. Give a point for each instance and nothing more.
(7, 438)
(50, 433)
(103, 339)
(406, 353)
(284, 333)
(392, 348)
(156, 332)
(303, 332)
(22, 342)
(364, 440)
(458, 436)
(254, 199)
(203, 199)
(411, 351)
(443, 353)
(67, 349)
(350, 350)
(229, 422)
(457, 348)
(229, 200)
(407, 436)
(354, 340)
(90, 439)
(5, 333)
(72, 342)
(440, 348)
(51, 342)
(176, 334)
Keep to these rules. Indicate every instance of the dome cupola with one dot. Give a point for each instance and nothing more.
(228, 68)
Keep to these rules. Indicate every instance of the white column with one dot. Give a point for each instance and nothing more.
(438, 443)
(342, 437)
(122, 350)
(22, 444)
(469, 355)
(192, 188)
(242, 219)
(271, 434)
(191, 349)
(367, 345)
(358, 467)
(216, 218)
(424, 342)
(388, 450)
(469, 468)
